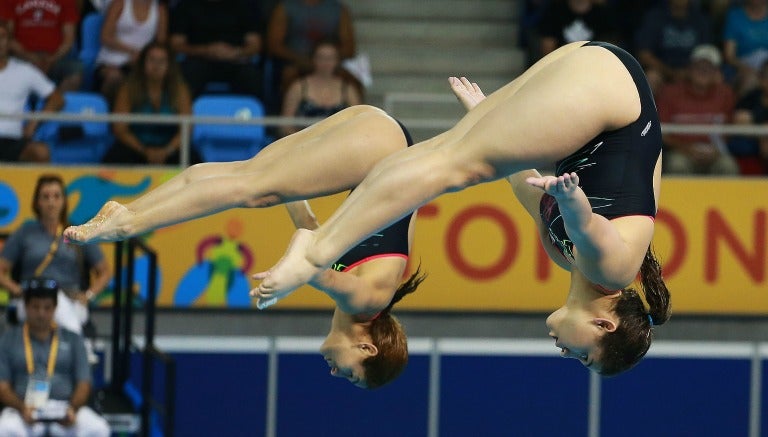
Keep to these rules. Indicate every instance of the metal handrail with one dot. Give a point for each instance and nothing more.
(186, 122)
(122, 339)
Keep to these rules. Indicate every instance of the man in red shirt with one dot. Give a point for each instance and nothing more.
(702, 98)
(44, 34)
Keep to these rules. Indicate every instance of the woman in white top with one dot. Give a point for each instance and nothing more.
(129, 25)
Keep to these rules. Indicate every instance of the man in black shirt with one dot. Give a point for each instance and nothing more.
(220, 42)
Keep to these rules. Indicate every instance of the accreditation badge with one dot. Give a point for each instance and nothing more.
(38, 391)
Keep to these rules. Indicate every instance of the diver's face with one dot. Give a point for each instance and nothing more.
(345, 360)
(576, 334)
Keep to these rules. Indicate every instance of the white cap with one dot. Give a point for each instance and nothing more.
(706, 52)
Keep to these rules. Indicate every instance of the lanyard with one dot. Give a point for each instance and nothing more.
(51, 354)
(51, 251)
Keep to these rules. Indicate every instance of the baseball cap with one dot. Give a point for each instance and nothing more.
(707, 52)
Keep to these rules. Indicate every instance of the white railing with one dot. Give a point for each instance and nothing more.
(186, 122)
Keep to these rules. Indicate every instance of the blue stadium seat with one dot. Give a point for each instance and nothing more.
(77, 142)
(90, 44)
(217, 143)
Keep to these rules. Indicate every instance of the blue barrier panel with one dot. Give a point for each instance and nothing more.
(512, 396)
(312, 403)
(764, 393)
(678, 397)
(221, 394)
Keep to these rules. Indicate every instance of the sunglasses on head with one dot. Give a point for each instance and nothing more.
(39, 283)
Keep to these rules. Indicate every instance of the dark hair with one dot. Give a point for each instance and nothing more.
(330, 43)
(137, 79)
(325, 42)
(46, 179)
(40, 288)
(624, 347)
(389, 337)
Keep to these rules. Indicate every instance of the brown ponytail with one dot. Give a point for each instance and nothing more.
(624, 347)
(389, 337)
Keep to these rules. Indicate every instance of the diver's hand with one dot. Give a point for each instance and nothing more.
(468, 93)
(560, 187)
(292, 271)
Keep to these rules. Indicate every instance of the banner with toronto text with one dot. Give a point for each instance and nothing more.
(479, 247)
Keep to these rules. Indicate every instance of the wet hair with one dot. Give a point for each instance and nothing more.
(389, 337)
(40, 288)
(137, 79)
(46, 179)
(624, 347)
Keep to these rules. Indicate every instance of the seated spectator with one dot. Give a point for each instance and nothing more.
(666, 38)
(44, 35)
(219, 41)
(717, 10)
(529, 39)
(37, 248)
(702, 98)
(297, 26)
(751, 153)
(44, 373)
(155, 86)
(323, 92)
(129, 25)
(629, 15)
(566, 21)
(745, 43)
(22, 80)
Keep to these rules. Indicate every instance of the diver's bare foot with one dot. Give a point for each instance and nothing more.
(292, 271)
(105, 226)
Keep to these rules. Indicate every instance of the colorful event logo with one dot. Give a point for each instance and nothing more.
(95, 190)
(220, 276)
(9, 204)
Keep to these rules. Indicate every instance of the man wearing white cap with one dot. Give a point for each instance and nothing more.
(702, 98)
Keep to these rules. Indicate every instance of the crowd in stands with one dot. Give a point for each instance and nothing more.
(287, 54)
(159, 57)
(704, 60)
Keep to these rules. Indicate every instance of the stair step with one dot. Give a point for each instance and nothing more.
(436, 58)
(430, 83)
(478, 33)
(460, 10)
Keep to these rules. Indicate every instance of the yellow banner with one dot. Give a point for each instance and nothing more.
(478, 246)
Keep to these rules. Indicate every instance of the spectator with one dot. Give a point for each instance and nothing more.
(129, 25)
(531, 12)
(44, 373)
(297, 26)
(154, 87)
(44, 35)
(627, 13)
(37, 248)
(752, 153)
(666, 38)
(323, 92)
(717, 10)
(745, 42)
(219, 41)
(702, 98)
(566, 21)
(20, 80)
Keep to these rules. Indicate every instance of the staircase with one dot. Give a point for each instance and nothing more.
(414, 46)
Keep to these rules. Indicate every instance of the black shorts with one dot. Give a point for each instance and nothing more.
(10, 149)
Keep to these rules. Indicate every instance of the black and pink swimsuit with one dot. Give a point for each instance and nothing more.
(389, 242)
(615, 168)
